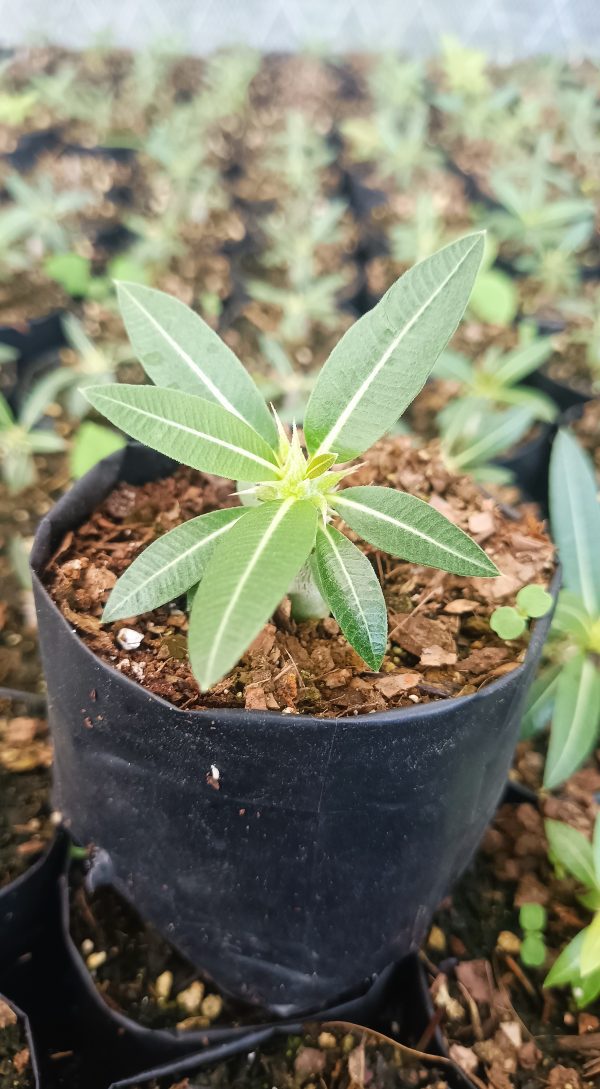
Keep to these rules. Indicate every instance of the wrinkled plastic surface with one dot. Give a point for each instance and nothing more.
(330, 842)
(76, 1040)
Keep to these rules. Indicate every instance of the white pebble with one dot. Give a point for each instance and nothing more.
(129, 639)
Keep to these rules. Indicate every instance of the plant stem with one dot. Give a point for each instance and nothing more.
(307, 602)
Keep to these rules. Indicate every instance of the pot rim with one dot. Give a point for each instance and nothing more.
(277, 718)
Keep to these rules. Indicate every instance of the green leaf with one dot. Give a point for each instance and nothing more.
(532, 917)
(587, 989)
(92, 443)
(71, 271)
(589, 960)
(540, 702)
(533, 950)
(405, 526)
(351, 589)
(572, 850)
(384, 359)
(523, 360)
(575, 517)
(566, 966)
(170, 565)
(507, 623)
(571, 617)
(575, 720)
(179, 350)
(596, 851)
(494, 298)
(534, 601)
(189, 429)
(244, 581)
(499, 431)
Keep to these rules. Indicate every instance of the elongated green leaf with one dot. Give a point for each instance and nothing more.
(352, 591)
(540, 702)
(516, 365)
(178, 349)
(497, 433)
(590, 950)
(572, 850)
(575, 721)
(575, 517)
(92, 443)
(408, 527)
(169, 566)
(571, 617)
(384, 359)
(587, 990)
(245, 579)
(566, 966)
(596, 850)
(189, 429)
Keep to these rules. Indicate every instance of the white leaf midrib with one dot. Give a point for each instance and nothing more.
(350, 583)
(180, 558)
(191, 431)
(235, 597)
(357, 397)
(187, 359)
(373, 513)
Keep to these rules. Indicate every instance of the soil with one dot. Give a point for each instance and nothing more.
(15, 1060)
(500, 1023)
(440, 641)
(322, 1056)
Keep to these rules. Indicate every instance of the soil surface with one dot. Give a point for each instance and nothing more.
(343, 1058)
(441, 644)
(496, 1015)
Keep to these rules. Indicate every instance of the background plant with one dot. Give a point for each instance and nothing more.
(566, 693)
(578, 966)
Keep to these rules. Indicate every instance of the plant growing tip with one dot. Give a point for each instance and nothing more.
(205, 411)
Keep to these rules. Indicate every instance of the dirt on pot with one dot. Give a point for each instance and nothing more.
(441, 643)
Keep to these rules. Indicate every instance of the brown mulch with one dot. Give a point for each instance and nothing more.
(502, 1026)
(440, 641)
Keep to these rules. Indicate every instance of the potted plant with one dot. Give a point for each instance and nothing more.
(292, 856)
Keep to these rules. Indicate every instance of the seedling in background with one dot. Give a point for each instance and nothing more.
(38, 211)
(567, 691)
(494, 380)
(534, 225)
(473, 435)
(21, 437)
(533, 918)
(398, 144)
(510, 622)
(578, 966)
(206, 412)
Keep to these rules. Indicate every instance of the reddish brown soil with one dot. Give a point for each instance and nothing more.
(440, 641)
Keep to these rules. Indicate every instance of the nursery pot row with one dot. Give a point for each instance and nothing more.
(330, 842)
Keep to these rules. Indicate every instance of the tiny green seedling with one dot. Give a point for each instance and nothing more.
(206, 412)
(509, 622)
(533, 952)
(567, 689)
(578, 966)
(21, 437)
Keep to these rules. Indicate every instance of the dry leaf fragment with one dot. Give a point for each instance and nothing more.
(395, 683)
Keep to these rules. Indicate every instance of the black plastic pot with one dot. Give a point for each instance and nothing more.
(529, 464)
(76, 1040)
(329, 844)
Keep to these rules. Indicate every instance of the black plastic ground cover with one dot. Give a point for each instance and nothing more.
(329, 844)
(76, 1041)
